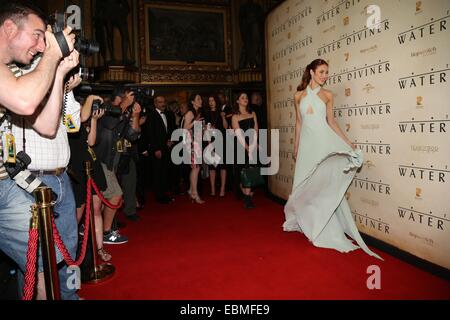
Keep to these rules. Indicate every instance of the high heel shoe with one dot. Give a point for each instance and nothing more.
(195, 198)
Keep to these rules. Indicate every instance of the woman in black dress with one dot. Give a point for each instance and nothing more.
(81, 144)
(242, 120)
(215, 119)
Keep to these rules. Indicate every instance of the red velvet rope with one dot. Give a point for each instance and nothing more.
(30, 275)
(100, 195)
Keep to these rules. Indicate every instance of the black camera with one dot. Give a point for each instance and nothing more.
(83, 46)
(109, 109)
(22, 176)
(143, 96)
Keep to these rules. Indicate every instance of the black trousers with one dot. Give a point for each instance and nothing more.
(160, 170)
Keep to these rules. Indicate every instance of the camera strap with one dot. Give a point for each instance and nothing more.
(67, 118)
(59, 36)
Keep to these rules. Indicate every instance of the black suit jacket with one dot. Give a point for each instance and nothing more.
(157, 134)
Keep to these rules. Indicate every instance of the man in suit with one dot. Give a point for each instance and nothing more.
(161, 124)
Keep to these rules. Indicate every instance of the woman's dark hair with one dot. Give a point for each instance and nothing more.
(216, 100)
(236, 104)
(191, 105)
(307, 74)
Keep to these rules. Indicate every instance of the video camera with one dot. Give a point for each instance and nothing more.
(109, 109)
(22, 176)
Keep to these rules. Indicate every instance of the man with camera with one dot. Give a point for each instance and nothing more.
(116, 133)
(23, 35)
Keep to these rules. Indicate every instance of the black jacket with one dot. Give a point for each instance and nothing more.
(109, 130)
(157, 135)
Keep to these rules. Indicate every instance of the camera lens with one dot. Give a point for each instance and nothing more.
(86, 47)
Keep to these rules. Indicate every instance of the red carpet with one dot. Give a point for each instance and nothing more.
(219, 250)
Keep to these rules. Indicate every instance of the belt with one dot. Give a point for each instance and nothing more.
(54, 172)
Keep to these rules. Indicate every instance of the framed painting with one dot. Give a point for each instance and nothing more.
(185, 35)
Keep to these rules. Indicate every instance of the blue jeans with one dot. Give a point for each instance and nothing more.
(15, 216)
(66, 223)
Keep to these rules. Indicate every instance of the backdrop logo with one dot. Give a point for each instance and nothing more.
(418, 7)
(372, 186)
(427, 219)
(418, 193)
(368, 87)
(370, 202)
(424, 148)
(348, 195)
(348, 92)
(374, 148)
(363, 111)
(424, 53)
(362, 72)
(419, 101)
(424, 31)
(347, 56)
(347, 127)
(370, 223)
(422, 173)
(424, 126)
(369, 164)
(431, 78)
(346, 21)
(351, 39)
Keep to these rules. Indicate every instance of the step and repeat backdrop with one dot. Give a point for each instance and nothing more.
(391, 85)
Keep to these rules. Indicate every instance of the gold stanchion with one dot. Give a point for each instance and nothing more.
(44, 206)
(97, 272)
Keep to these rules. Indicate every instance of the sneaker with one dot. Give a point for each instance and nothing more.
(114, 237)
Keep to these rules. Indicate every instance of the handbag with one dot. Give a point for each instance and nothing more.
(251, 177)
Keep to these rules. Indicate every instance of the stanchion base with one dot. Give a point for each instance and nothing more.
(101, 273)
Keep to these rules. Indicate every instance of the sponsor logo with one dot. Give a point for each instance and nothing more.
(418, 193)
(418, 7)
(346, 21)
(348, 92)
(424, 53)
(368, 88)
(427, 149)
(369, 164)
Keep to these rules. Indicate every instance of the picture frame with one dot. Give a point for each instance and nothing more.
(181, 35)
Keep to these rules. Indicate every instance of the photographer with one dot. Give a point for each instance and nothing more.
(116, 132)
(23, 35)
(50, 154)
